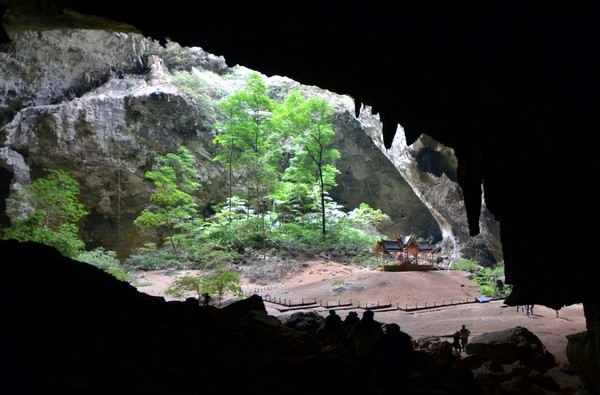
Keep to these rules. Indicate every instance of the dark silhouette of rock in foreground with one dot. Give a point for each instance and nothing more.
(69, 327)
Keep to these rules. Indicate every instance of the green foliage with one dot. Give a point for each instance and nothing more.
(365, 216)
(202, 85)
(466, 265)
(243, 134)
(342, 240)
(205, 254)
(222, 281)
(218, 282)
(185, 284)
(53, 212)
(171, 204)
(308, 124)
(205, 88)
(260, 140)
(488, 279)
(105, 260)
(151, 257)
(297, 237)
(291, 200)
(280, 165)
(57, 196)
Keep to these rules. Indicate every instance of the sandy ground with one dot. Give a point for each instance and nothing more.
(349, 288)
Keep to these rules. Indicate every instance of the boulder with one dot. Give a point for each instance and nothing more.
(511, 345)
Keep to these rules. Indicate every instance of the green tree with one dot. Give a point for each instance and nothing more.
(222, 281)
(313, 159)
(291, 200)
(186, 284)
(53, 211)
(105, 260)
(365, 215)
(171, 204)
(243, 136)
(217, 283)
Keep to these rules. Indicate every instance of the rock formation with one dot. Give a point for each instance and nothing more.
(104, 119)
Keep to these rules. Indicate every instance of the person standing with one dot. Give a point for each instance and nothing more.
(393, 355)
(332, 328)
(456, 342)
(349, 321)
(464, 337)
(364, 335)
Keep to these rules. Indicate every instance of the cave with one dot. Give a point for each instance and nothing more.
(511, 88)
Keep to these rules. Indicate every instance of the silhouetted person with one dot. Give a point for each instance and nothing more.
(392, 358)
(206, 297)
(363, 337)
(456, 342)
(464, 337)
(332, 328)
(351, 319)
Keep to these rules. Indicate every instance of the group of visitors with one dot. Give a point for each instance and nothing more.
(460, 338)
(338, 332)
(383, 350)
(359, 336)
(527, 308)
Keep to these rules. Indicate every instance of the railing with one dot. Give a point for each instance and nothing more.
(299, 304)
(287, 304)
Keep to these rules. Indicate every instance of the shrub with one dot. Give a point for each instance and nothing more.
(466, 265)
(105, 260)
(217, 282)
(150, 257)
(487, 279)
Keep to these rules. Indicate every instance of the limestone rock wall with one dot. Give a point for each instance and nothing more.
(101, 106)
(429, 168)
